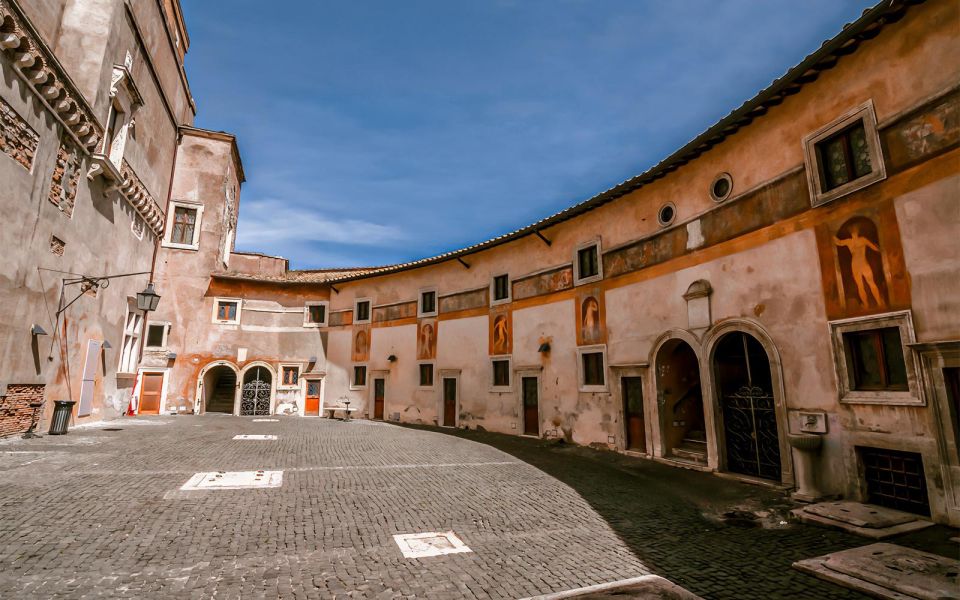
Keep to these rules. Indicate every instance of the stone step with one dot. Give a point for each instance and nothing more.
(695, 455)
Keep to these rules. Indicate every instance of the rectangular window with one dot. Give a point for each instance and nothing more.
(428, 302)
(586, 263)
(113, 122)
(316, 314)
(501, 373)
(184, 223)
(592, 368)
(130, 347)
(156, 335)
(360, 376)
(227, 310)
(290, 375)
(501, 287)
(426, 375)
(844, 157)
(362, 311)
(875, 360)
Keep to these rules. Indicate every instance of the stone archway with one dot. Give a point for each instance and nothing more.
(679, 393)
(217, 388)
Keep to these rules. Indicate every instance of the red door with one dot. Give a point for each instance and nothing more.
(531, 407)
(378, 394)
(449, 402)
(311, 405)
(633, 413)
(150, 393)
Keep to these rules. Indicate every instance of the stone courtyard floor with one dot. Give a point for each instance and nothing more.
(100, 513)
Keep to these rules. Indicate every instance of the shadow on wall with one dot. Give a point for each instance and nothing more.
(665, 515)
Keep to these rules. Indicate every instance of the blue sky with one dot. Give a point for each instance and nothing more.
(375, 132)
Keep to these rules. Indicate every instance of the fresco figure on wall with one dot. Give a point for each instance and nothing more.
(861, 263)
(360, 347)
(427, 341)
(501, 335)
(590, 320)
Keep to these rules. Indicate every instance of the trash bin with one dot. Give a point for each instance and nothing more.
(62, 410)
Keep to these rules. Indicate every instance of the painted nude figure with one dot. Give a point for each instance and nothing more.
(500, 333)
(591, 318)
(860, 268)
(427, 339)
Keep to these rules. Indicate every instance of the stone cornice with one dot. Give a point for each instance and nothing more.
(133, 190)
(48, 80)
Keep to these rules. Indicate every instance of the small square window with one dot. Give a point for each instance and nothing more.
(227, 310)
(184, 222)
(290, 375)
(501, 373)
(501, 287)
(362, 311)
(315, 314)
(156, 335)
(426, 375)
(593, 369)
(428, 302)
(844, 157)
(359, 376)
(875, 360)
(586, 264)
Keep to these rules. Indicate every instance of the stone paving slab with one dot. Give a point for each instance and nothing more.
(645, 587)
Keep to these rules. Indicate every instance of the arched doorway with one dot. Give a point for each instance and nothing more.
(257, 391)
(219, 389)
(680, 401)
(745, 392)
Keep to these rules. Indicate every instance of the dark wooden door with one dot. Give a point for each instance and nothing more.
(633, 413)
(311, 405)
(150, 393)
(531, 406)
(378, 385)
(449, 402)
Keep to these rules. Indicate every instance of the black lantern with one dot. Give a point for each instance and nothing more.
(148, 299)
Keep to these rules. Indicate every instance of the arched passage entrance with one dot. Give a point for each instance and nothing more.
(680, 401)
(746, 394)
(256, 394)
(219, 387)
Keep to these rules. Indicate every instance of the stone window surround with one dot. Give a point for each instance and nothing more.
(125, 100)
(582, 387)
(867, 114)
(132, 338)
(216, 303)
(900, 319)
(433, 375)
(577, 280)
(510, 378)
(166, 332)
(436, 302)
(174, 204)
(493, 279)
(356, 302)
(289, 365)
(306, 313)
(353, 377)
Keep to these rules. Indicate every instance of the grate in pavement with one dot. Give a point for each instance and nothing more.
(234, 480)
(422, 545)
(254, 436)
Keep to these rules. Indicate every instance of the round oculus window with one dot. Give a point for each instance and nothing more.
(721, 187)
(666, 214)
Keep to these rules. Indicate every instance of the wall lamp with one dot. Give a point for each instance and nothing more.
(37, 330)
(107, 345)
(392, 358)
(544, 347)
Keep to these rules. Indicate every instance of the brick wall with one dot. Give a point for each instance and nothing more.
(15, 411)
(17, 138)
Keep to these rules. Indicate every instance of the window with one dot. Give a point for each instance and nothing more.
(426, 375)
(667, 214)
(875, 359)
(114, 120)
(721, 187)
(359, 376)
(592, 368)
(361, 311)
(428, 303)
(500, 289)
(289, 375)
(183, 225)
(501, 373)
(130, 347)
(157, 335)
(226, 310)
(586, 264)
(844, 156)
(315, 314)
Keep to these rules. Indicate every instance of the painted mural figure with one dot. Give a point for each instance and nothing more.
(427, 341)
(361, 344)
(860, 267)
(501, 335)
(590, 319)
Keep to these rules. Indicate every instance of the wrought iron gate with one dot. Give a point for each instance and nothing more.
(750, 426)
(255, 395)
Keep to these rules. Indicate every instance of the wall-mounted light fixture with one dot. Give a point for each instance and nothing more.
(392, 358)
(37, 330)
(171, 356)
(107, 345)
(544, 347)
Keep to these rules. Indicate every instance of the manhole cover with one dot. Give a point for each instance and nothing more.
(254, 436)
(422, 545)
(234, 480)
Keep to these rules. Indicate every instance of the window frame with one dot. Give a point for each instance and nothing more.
(433, 375)
(508, 387)
(289, 386)
(166, 333)
(436, 302)
(595, 349)
(137, 339)
(306, 313)
(168, 232)
(353, 377)
(494, 301)
(216, 303)
(577, 279)
(356, 304)
(814, 168)
(845, 379)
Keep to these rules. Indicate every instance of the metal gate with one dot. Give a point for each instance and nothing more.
(255, 395)
(895, 479)
(750, 427)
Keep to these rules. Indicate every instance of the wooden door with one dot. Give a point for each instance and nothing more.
(311, 404)
(449, 402)
(531, 406)
(150, 393)
(633, 413)
(378, 393)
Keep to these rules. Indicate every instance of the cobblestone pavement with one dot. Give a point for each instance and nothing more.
(99, 513)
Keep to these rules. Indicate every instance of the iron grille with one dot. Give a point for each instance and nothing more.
(895, 479)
